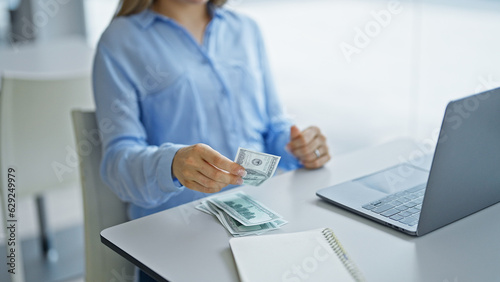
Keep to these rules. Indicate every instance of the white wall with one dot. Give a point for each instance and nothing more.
(98, 14)
(398, 84)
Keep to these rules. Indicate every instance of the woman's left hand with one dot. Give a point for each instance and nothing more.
(309, 146)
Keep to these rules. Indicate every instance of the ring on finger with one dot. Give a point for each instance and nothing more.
(317, 153)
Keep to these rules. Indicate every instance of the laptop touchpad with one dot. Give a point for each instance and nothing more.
(394, 179)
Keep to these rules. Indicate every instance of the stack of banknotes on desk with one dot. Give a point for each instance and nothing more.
(241, 214)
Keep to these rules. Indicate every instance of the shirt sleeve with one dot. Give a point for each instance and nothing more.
(278, 129)
(136, 171)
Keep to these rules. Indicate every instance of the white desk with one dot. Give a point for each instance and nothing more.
(183, 244)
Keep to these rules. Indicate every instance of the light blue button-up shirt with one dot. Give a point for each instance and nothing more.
(157, 90)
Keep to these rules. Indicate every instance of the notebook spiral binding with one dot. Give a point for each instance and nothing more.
(342, 254)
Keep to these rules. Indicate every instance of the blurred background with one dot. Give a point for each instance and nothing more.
(366, 72)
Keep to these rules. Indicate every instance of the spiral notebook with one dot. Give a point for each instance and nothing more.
(313, 255)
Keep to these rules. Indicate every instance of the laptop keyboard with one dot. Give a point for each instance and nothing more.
(403, 206)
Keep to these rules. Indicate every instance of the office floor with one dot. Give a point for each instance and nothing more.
(364, 71)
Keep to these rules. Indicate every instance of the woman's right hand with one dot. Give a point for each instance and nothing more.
(201, 168)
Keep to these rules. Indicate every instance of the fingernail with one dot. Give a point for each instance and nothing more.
(242, 173)
(239, 181)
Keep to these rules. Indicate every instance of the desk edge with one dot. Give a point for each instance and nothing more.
(130, 258)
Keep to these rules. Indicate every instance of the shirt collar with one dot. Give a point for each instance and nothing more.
(147, 17)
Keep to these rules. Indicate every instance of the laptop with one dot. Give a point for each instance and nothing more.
(459, 179)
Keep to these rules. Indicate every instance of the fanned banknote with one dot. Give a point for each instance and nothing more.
(244, 208)
(239, 207)
(259, 166)
(236, 228)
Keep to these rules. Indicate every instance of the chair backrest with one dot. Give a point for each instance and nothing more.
(102, 208)
(36, 132)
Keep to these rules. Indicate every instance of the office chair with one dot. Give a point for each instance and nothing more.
(102, 208)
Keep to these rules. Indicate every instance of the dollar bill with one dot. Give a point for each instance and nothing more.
(236, 228)
(201, 207)
(259, 166)
(233, 226)
(244, 208)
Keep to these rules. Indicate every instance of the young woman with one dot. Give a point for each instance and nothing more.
(179, 85)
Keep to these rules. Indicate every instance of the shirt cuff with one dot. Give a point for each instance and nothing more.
(288, 160)
(164, 171)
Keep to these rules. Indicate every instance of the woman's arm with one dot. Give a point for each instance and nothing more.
(135, 171)
(140, 173)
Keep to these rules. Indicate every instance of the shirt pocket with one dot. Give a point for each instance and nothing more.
(171, 113)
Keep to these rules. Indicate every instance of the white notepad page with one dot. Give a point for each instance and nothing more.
(301, 256)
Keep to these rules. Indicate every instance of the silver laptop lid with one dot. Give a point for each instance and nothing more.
(465, 173)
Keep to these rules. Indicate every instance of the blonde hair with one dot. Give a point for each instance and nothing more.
(130, 7)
